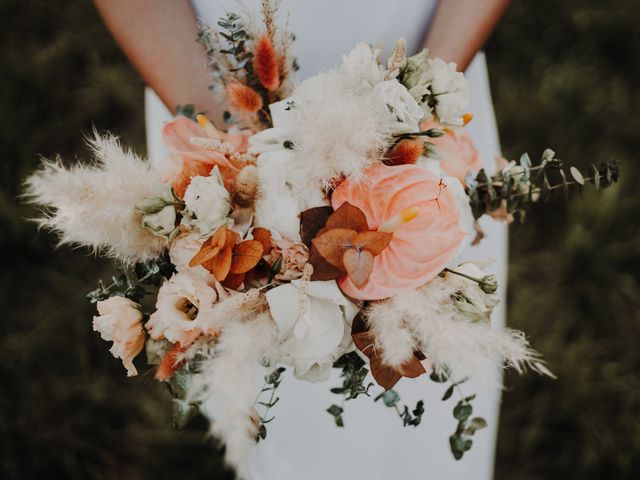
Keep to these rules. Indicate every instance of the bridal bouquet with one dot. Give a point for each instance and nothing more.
(323, 230)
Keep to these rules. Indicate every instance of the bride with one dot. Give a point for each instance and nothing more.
(159, 38)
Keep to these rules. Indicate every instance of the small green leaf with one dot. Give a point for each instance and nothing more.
(462, 411)
(389, 397)
(448, 393)
(577, 176)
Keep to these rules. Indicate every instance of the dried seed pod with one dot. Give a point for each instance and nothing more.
(245, 187)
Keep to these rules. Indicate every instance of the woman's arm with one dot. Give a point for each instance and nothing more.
(460, 28)
(159, 37)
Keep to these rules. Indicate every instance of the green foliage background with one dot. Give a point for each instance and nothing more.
(564, 74)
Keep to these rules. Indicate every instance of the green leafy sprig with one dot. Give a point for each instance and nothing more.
(409, 418)
(353, 373)
(522, 185)
(461, 441)
(130, 282)
(271, 383)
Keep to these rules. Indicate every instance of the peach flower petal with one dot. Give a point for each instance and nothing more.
(456, 152)
(196, 160)
(419, 249)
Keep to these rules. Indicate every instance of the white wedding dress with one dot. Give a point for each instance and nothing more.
(303, 442)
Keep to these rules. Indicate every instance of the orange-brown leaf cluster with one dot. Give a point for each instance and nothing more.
(345, 245)
(384, 375)
(232, 262)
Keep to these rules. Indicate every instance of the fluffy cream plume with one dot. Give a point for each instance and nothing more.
(452, 342)
(227, 386)
(94, 204)
(343, 132)
(393, 340)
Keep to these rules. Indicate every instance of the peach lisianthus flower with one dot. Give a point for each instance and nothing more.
(195, 160)
(119, 320)
(455, 151)
(420, 248)
(180, 300)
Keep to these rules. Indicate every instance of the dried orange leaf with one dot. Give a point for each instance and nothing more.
(205, 254)
(412, 368)
(221, 264)
(263, 236)
(332, 244)
(374, 242)
(246, 255)
(231, 239)
(322, 270)
(210, 248)
(312, 221)
(348, 216)
(233, 281)
(358, 264)
(385, 376)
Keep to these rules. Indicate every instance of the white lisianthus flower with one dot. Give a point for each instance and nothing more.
(360, 68)
(450, 90)
(180, 300)
(207, 202)
(119, 320)
(470, 298)
(311, 340)
(401, 104)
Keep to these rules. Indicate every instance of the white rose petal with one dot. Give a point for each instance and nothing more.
(207, 202)
(311, 342)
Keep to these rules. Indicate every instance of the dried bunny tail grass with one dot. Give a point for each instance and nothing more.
(451, 342)
(94, 204)
(244, 98)
(343, 132)
(265, 63)
(286, 61)
(393, 341)
(269, 10)
(405, 152)
(226, 386)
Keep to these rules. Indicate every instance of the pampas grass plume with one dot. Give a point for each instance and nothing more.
(265, 63)
(94, 204)
(244, 98)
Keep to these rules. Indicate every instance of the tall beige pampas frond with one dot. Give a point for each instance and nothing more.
(94, 204)
(453, 342)
(228, 385)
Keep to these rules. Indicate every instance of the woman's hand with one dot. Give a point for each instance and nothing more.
(158, 36)
(460, 28)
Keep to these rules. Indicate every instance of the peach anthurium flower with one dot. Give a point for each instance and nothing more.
(120, 320)
(419, 248)
(197, 160)
(456, 152)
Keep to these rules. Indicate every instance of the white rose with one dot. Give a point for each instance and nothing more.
(119, 320)
(313, 340)
(450, 90)
(207, 202)
(402, 105)
(360, 68)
